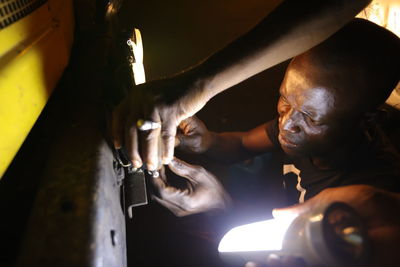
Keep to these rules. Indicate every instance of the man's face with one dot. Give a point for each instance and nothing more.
(309, 121)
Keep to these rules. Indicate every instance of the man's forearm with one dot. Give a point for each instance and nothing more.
(291, 29)
(228, 147)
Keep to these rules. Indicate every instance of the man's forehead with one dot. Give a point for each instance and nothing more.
(307, 95)
(318, 99)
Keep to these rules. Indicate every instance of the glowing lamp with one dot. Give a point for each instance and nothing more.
(329, 236)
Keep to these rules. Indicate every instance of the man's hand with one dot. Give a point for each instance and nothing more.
(379, 210)
(193, 136)
(167, 102)
(204, 192)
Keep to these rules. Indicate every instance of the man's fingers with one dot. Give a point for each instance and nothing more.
(185, 141)
(159, 183)
(186, 125)
(183, 169)
(168, 134)
(293, 211)
(177, 141)
(150, 143)
(288, 213)
(132, 145)
(175, 209)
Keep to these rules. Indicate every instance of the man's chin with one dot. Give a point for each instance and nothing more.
(291, 151)
(290, 148)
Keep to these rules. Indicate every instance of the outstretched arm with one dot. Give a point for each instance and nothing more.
(292, 28)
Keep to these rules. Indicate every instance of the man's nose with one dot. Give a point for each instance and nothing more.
(289, 122)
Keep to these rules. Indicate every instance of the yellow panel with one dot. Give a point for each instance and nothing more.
(33, 54)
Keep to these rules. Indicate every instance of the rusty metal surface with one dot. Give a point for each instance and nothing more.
(77, 218)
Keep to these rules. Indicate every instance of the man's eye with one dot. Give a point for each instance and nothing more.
(308, 118)
(312, 121)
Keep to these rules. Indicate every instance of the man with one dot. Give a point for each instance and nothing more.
(327, 129)
(292, 28)
(327, 124)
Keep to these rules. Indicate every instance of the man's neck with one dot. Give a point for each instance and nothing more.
(338, 156)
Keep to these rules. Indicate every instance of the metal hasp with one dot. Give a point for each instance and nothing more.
(133, 183)
(135, 193)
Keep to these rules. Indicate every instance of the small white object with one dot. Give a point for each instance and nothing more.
(147, 125)
(154, 174)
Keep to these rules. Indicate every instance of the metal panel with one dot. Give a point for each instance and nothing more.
(77, 218)
(34, 51)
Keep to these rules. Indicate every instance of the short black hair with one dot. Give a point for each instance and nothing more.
(370, 53)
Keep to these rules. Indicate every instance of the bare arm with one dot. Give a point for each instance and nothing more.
(291, 29)
(236, 146)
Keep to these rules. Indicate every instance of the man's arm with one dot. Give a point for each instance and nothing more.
(292, 28)
(228, 147)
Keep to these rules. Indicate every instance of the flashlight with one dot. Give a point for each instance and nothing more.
(331, 236)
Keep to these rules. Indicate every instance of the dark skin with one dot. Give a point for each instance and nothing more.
(292, 28)
(320, 116)
(311, 122)
(315, 118)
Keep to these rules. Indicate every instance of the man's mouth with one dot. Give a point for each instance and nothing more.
(286, 142)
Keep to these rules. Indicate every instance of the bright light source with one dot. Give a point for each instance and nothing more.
(264, 235)
(332, 235)
(384, 13)
(393, 23)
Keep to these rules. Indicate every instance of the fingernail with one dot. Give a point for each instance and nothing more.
(166, 160)
(137, 164)
(151, 167)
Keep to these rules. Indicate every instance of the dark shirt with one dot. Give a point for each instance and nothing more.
(374, 163)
